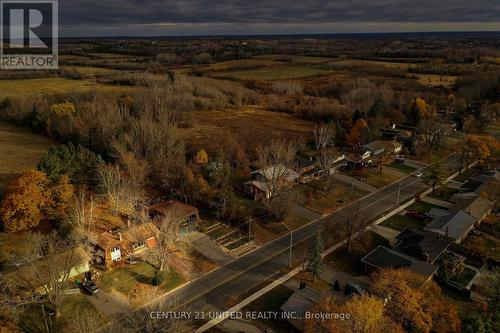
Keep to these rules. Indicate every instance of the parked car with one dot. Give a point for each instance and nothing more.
(90, 287)
(415, 214)
(353, 289)
(418, 174)
(399, 158)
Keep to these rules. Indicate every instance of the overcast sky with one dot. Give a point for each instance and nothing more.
(208, 17)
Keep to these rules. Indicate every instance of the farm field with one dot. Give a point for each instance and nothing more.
(295, 58)
(434, 80)
(275, 73)
(20, 150)
(249, 127)
(46, 86)
(89, 70)
(391, 64)
(245, 62)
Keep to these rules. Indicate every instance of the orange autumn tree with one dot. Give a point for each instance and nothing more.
(366, 314)
(360, 132)
(479, 148)
(414, 304)
(32, 197)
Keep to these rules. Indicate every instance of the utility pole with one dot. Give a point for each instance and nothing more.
(249, 229)
(399, 193)
(291, 243)
(352, 186)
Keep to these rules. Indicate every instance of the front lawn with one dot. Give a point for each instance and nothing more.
(443, 193)
(350, 262)
(124, 279)
(325, 202)
(373, 177)
(401, 167)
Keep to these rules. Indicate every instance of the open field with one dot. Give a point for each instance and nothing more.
(434, 80)
(248, 127)
(361, 62)
(295, 58)
(89, 70)
(20, 150)
(244, 63)
(48, 86)
(275, 73)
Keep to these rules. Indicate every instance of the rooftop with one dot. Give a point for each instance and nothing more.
(383, 257)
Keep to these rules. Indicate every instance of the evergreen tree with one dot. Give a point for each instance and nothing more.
(315, 263)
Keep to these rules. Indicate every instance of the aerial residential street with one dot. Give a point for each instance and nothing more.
(210, 293)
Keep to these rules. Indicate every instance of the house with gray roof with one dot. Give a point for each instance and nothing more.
(385, 258)
(423, 245)
(455, 225)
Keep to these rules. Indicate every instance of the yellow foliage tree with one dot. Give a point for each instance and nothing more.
(60, 195)
(201, 157)
(415, 304)
(32, 197)
(366, 314)
(63, 109)
(24, 199)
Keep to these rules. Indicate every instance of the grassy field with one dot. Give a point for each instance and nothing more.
(20, 150)
(295, 58)
(244, 63)
(44, 86)
(434, 80)
(249, 127)
(89, 70)
(275, 73)
(361, 62)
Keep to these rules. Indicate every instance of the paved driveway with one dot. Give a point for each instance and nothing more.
(206, 246)
(109, 304)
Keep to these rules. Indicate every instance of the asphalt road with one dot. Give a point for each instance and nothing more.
(217, 290)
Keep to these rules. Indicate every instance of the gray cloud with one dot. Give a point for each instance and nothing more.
(208, 14)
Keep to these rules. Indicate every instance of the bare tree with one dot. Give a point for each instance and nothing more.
(82, 221)
(118, 189)
(323, 136)
(168, 232)
(43, 277)
(350, 224)
(85, 321)
(275, 160)
(326, 158)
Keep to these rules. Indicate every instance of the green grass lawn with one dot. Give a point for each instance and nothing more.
(123, 279)
(20, 150)
(274, 73)
(399, 222)
(401, 167)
